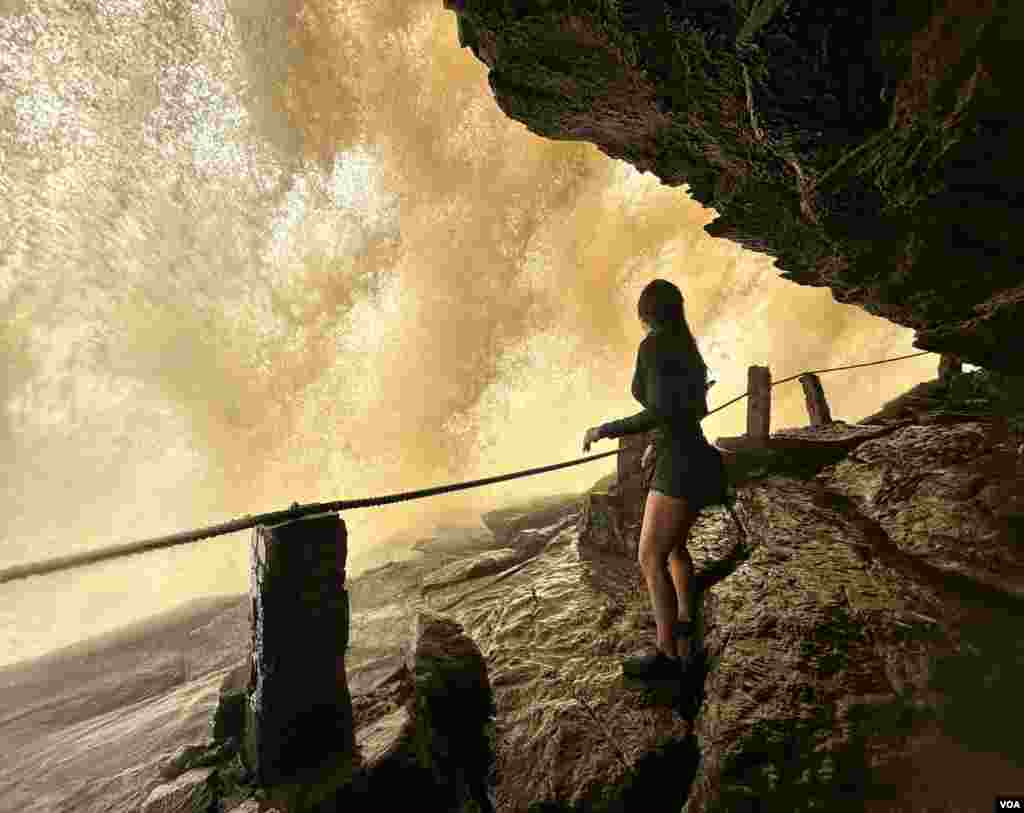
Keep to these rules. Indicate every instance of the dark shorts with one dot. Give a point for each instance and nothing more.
(696, 473)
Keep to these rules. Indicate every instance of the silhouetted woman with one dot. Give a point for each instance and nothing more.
(671, 383)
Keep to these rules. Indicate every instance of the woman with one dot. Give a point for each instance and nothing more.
(670, 382)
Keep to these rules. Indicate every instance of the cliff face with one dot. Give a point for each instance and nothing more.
(869, 150)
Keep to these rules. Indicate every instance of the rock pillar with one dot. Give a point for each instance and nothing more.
(299, 710)
(610, 519)
(759, 403)
(814, 395)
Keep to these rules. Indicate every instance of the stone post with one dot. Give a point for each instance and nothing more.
(299, 710)
(814, 395)
(759, 403)
(610, 520)
(949, 366)
(631, 451)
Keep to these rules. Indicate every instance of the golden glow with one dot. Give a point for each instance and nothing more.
(255, 256)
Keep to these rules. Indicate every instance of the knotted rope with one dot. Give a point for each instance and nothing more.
(296, 510)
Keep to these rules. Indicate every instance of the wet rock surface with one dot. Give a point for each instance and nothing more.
(505, 524)
(192, 792)
(859, 633)
(840, 674)
(856, 655)
(949, 496)
(554, 634)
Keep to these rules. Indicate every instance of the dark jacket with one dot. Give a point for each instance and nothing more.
(671, 385)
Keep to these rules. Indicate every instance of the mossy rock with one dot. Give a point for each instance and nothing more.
(605, 483)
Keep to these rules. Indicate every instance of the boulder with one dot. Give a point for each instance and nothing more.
(472, 567)
(386, 749)
(505, 523)
(423, 732)
(375, 673)
(192, 792)
(453, 704)
(188, 757)
(182, 760)
(455, 541)
(530, 540)
(389, 691)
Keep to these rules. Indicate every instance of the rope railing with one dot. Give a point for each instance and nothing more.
(296, 510)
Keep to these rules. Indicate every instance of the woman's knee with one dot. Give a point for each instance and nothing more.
(650, 556)
(666, 525)
(681, 554)
(655, 548)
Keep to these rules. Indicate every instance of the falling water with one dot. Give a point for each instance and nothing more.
(253, 253)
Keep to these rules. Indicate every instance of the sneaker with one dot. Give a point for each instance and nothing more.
(654, 666)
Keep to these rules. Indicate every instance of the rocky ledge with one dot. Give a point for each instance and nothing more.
(871, 150)
(858, 624)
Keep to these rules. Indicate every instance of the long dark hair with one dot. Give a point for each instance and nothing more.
(661, 304)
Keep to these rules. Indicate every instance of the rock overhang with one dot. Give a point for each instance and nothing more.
(869, 154)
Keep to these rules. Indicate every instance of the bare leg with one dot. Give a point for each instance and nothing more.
(664, 518)
(664, 603)
(681, 567)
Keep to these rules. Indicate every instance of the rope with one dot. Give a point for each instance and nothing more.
(296, 510)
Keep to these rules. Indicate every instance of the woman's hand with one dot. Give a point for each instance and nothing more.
(592, 434)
